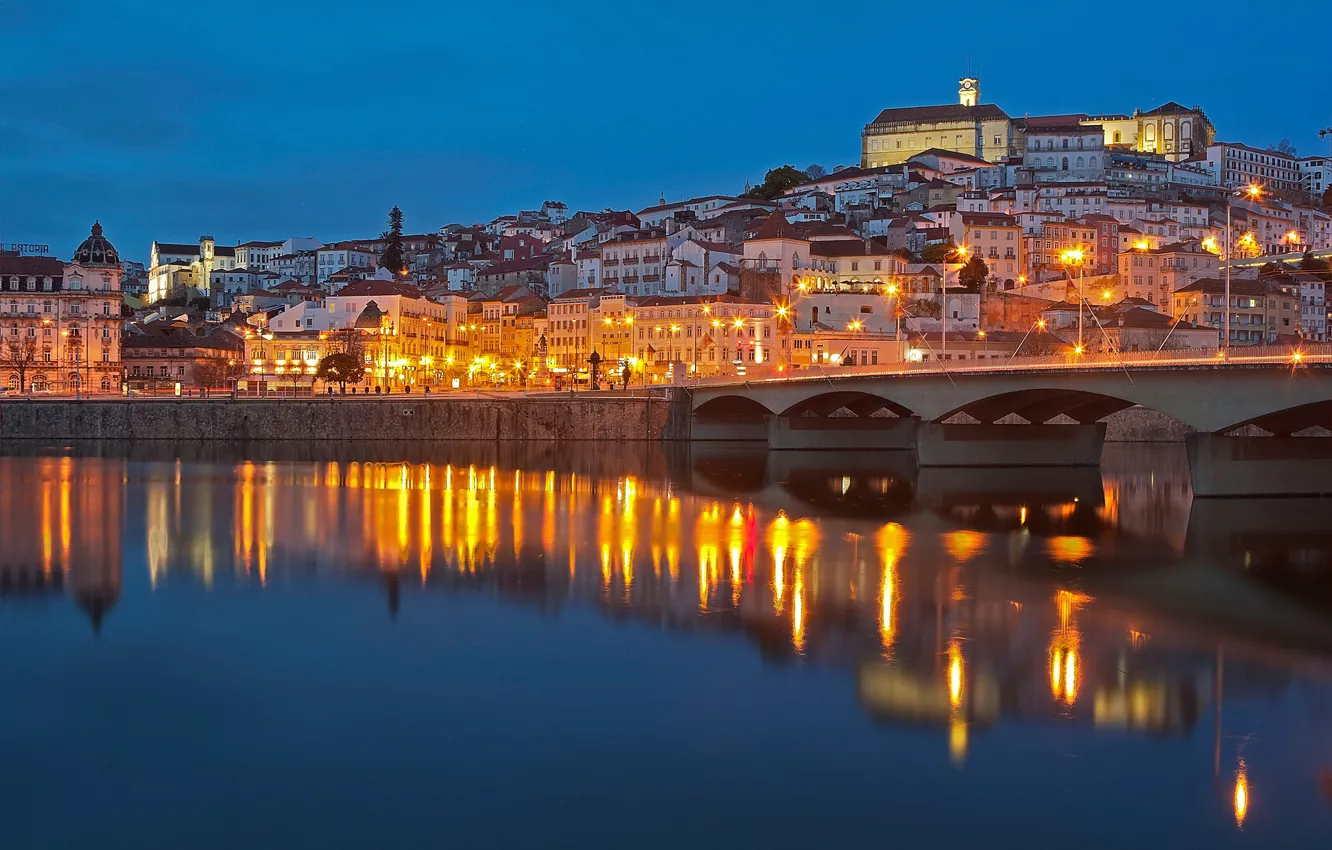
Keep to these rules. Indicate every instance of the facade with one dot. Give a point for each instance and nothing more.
(634, 262)
(1259, 311)
(1315, 176)
(1063, 148)
(332, 259)
(175, 268)
(60, 323)
(969, 127)
(1155, 274)
(1234, 165)
(708, 334)
(997, 239)
(1178, 132)
(161, 354)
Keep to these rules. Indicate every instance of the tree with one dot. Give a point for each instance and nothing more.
(815, 172)
(19, 354)
(974, 274)
(922, 307)
(217, 372)
(340, 368)
(905, 253)
(392, 258)
(1310, 263)
(1286, 147)
(776, 182)
(1327, 198)
(939, 253)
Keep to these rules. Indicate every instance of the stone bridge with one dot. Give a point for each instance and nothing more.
(1040, 416)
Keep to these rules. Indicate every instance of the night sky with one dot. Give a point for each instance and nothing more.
(262, 120)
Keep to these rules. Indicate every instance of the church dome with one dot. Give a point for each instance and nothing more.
(370, 317)
(96, 250)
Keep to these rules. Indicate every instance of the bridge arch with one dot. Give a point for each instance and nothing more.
(859, 402)
(733, 407)
(1038, 405)
(1290, 420)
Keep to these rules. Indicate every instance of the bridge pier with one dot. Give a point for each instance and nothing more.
(858, 433)
(1259, 466)
(938, 444)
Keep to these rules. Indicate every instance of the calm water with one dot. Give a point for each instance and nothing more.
(207, 646)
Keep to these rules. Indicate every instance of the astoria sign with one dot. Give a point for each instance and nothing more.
(27, 249)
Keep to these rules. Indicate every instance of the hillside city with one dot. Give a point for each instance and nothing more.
(962, 234)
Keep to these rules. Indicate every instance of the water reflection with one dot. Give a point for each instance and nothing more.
(957, 601)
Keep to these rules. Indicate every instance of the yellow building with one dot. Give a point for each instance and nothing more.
(968, 127)
(1175, 131)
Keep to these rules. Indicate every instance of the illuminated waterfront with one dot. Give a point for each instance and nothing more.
(648, 646)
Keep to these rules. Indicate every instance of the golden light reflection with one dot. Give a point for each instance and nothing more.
(962, 546)
(956, 674)
(779, 541)
(892, 542)
(798, 612)
(1069, 550)
(1241, 794)
(1065, 647)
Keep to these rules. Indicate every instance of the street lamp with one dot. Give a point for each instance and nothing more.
(1074, 257)
(1254, 191)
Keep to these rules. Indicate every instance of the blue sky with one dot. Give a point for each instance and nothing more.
(261, 120)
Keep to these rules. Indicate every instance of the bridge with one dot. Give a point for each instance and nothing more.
(1051, 412)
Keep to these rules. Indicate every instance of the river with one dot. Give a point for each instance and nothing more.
(529, 645)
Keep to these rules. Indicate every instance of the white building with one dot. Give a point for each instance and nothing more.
(1234, 165)
(257, 255)
(1315, 175)
(332, 259)
(702, 208)
(1063, 150)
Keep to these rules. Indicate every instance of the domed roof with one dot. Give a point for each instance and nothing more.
(96, 250)
(370, 317)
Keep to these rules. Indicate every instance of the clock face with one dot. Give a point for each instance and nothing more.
(966, 84)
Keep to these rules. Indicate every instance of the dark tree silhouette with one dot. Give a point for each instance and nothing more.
(392, 258)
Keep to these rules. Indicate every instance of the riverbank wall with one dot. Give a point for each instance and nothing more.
(661, 415)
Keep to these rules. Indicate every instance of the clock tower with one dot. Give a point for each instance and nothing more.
(968, 91)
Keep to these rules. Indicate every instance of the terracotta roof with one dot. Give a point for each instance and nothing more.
(776, 227)
(371, 286)
(949, 113)
(35, 266)
(966, 157)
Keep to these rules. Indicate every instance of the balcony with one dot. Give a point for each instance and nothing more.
(651, 278)
(631, 278)
(609, 263)
(652, 258)
(631, 261)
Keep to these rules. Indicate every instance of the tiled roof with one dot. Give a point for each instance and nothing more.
(373, 287)
(776, 227)
(946, 114)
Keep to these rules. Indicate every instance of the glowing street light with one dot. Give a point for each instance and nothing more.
(1071, 257)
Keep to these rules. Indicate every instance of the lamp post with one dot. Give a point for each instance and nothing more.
(1251, 191)
(1072, 257)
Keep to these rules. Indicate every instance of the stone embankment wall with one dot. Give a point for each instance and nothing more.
(661, 416)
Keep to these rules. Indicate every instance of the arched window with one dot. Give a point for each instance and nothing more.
(1186, 129)
(1149, 137)
(1168, 132)
(1050, 161)
(795, 261)
(1119, 137)
(1065, 164)
(13, 382)
(1092, 163)
(1080, 162)
(106, 385)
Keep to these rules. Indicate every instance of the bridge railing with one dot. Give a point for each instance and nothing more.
(1249, 355)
